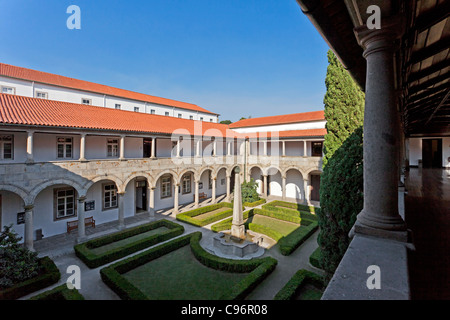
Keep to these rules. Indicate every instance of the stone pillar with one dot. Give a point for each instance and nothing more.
(237, 225)
(228, 188)
(81, 214)
(284, 149)
(153, 152)
(122, 148)
(305, 149)
(30, 156)
(306, 191)
(265, 186)
(265, 148)
(151, 202)
(83, 147)
(178, 148)
(214, 147)
(29, 238)
(197, 151)
(175, 198)
(120, 196)
(213, 196)
(283, 187)
(196, 196)
(380, 214)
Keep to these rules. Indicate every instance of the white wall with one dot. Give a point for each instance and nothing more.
(284, 127)
(11, 205)
(294, 185)
(415, 150)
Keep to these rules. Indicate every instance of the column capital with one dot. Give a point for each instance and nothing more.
(28, 207)
(82, 199)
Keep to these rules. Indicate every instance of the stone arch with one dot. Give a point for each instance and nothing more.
(285, 171)
(116, 180)
(23, 194)
(266, 170)
(164, 172)
(231, 168)
(183, 172)
(35, 192)
(136, 175)
(312, 170)
(201, 171)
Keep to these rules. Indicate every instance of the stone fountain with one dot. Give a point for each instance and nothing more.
(237, 243)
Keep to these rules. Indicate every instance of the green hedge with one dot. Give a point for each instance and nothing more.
(258, 268)
(293, 240)
(295, 206)
(298, 280)
(254, 203)
(59, 293)
(93, 260)
(48, 275)
(280, 215)
(226, 224)
(189, 215)
(277, 236)
(315, 259)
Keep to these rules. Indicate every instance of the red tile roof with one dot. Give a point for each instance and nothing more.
(61, 81)
(19, 110)
(283, 119)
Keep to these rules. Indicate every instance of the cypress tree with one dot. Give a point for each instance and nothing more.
(341, 189)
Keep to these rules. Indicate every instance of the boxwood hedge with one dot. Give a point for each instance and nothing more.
(59, 293)
(93, 260)
(298, 280)
(188, 216)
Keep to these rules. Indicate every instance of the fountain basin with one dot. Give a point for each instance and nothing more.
(225, 245)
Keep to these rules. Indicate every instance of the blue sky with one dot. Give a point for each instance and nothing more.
(236, 57)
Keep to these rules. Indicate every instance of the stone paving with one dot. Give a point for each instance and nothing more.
(60, 249)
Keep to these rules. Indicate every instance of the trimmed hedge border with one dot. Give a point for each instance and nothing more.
(188, 216)
(92, 260)
(59, 293)
(298, 280)
(280, 215)
(254, 203)
(294, 206)
(258, 268)
(314, 258)
(48, 276)
(296, 238)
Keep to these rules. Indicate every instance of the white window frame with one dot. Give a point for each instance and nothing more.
(110, 199)
(64, 144)
(152, 111)
(166, 187)
(191, 117)
(180, 115)
(166, 113)
(201, 118)
(118, 106)
(65, 203)
(8, 87)
(4, 141)
(112, 148)
(84, 100)
(44, 95)
(186, 182)
(137, 109)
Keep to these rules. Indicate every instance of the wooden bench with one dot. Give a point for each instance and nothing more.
(201, 196)
(72, 225)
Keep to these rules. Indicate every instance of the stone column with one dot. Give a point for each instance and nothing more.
(228, 188)
(122, 148)
(196, 196)
(175, 199)
(265, 185)
(81, 214)
(151, 202)
(178, 148)
(283, 187)
(30, 156)
(284, 149)
(120, 196)
(153, 152)
(28, 236)
(213, 196)
(214, 147)
(380, 214)
(265, 148)
(306, 191)
(197, 151)
(83, 147)
(305, 149)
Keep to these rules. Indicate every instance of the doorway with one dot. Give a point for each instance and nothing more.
(141, 196)
(147, 149)
(315, 187)
(432, 153)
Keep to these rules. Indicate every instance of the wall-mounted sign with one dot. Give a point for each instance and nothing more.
(89, 205)
(21, 218)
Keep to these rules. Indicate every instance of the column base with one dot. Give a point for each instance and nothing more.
(397, 235)
(81, 239)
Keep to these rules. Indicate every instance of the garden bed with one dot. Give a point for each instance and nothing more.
(304, 285)
(173, 269)
(59, 293)
(100, 251)
(206, 215)
(48, 275)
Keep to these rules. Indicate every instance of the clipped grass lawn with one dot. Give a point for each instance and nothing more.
(127, 241)
(181, 270)
(205, 215)
(210, 214)
(280, 226)
(309, 292)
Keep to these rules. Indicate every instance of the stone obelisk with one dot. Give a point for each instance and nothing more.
(237, 226)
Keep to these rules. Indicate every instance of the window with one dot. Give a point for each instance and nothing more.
(41, 95)
(6, 147)
(210, 180)
(112, 148)
(109, 196)
(186, 188)
(316, 148)
(86, 101)
(179, 115)
(201, 118)
(8, 90)
(118, 106)
(210, 120)
(64, 147)
(191, 117)
(152, 111)
(136, 109)
(166, 187)
(65, 203)
(166, 113)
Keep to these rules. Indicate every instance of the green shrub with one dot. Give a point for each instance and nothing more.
(294, 206)
(48, 275)
(93, 260)
(277, 236)
(249, 191)
(280, 215)
(315, 258)
(59, 293)
(298, 280)
(293, 240)
(254, 203)
(189, 215)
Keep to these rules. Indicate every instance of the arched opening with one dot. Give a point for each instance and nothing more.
(274, 182)
(164, 191)
(256, 174)
(221, 182)
(294, 185)
(102, 201)
(12, 212)
(186, 189)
